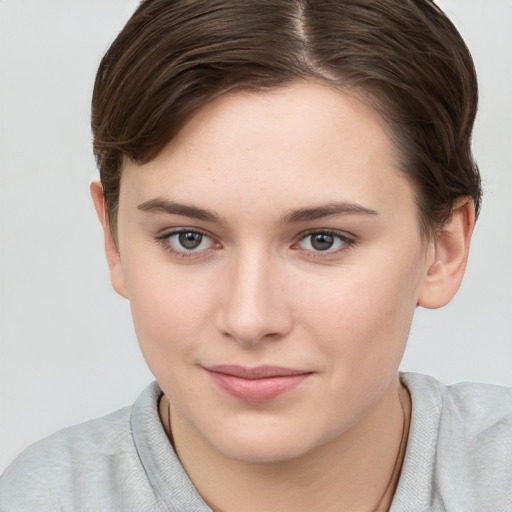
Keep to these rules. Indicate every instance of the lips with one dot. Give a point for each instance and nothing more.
(258, 384)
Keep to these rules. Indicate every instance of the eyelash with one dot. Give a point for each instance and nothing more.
(164, 242)
(347, 242)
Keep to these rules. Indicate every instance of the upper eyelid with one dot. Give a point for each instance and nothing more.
(167, 233)
(348, 241)
(335, 232)
(163, 240)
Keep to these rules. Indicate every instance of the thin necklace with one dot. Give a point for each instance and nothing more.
(169, 431)
(399, 455)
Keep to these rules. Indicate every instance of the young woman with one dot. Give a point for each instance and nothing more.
(283, 182)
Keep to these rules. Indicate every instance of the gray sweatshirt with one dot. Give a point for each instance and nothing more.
(458, 458)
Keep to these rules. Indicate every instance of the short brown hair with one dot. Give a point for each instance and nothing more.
(405, 57)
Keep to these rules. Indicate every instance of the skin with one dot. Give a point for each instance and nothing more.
(257, 292)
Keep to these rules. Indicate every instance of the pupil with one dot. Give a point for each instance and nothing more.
(322, 242)
(190, 240)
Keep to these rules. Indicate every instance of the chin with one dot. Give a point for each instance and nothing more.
(265, 446)
(263, 453)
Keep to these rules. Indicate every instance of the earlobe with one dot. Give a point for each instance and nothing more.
(448, 256)
(111, 249)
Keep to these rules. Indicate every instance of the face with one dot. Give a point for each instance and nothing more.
(273, 261)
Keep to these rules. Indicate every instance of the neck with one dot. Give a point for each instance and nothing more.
(357, 471)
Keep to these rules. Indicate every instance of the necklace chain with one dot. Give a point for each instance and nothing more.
(396, 467)
(399, 456)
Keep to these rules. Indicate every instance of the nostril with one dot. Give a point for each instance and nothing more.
(251, 334)
(268, 325)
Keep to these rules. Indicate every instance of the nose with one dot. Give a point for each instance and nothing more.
(254, 306)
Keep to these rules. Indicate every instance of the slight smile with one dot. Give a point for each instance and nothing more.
(258, 384)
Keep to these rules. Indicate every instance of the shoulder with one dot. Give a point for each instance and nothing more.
(475, 439)
(83, 467)
(44, 473)
(466, 409)
(461, 443)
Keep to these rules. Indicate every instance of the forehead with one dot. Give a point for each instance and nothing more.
(306, 143)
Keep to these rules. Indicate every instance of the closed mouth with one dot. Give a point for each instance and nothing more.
(258, 372)
(256, 384)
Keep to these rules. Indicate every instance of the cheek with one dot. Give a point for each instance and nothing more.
(364, 316)
(170, 310)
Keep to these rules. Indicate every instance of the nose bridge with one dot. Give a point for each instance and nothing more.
(254, 306)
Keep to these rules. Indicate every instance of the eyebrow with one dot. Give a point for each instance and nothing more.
(173, 208)
(302, 215)
(328, 210)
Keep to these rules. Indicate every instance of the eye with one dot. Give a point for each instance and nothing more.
(324, 241)
(186, 241)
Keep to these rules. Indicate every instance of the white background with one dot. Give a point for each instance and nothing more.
(67, 348)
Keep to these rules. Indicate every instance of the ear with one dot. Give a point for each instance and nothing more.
(111, 250)
(448, 256)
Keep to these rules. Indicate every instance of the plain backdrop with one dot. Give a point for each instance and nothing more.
(68, 352)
